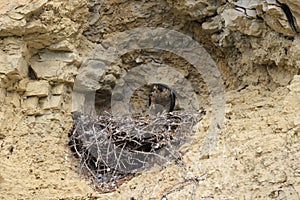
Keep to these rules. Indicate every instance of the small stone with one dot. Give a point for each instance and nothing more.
(88, 76)
(56, 102)
(44, 103)
(213, 25)
(58, 89)
(295, 84)
(62, 46)
(275, 18)
(31, 102)
(66, 57)
(37, 88)
(279, 176)
(13, 98)
(234, 18)
(15, 66)
(138, 60)
(35, 26)
(258, 150)
(49, 116)
(110, 80)
(53, 102)
(22, 85)
(115, 70)
(15, 15)
(47, 69)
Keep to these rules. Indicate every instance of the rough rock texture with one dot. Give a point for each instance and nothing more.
(255, 44)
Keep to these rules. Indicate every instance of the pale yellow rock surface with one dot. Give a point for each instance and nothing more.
(45, 47)
(37, 88)
(31, 102)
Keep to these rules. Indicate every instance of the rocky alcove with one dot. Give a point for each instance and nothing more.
(48, 48)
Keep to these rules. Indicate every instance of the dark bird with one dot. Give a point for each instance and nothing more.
(161, 98)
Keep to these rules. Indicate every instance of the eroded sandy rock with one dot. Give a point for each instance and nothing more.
(58, 89)
(213, 25)
(31, 102)
(37, 88)
(51, 102)
(236, 20)
(275, 17)
(14, 16)
(13, 61)
(50, 17)
(57, 66)
(196, 9)
(43, 43)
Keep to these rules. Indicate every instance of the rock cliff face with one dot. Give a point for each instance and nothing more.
(45, 46)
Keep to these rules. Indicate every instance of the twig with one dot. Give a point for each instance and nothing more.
(107, 144)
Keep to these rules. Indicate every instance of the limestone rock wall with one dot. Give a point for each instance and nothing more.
(256, 46)
(39, 60)
(44, 43)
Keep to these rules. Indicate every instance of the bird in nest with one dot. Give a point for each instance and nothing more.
(161, 99)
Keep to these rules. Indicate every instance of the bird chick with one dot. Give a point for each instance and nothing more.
(161, 99)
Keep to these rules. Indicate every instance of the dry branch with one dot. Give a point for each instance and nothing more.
(111, 148)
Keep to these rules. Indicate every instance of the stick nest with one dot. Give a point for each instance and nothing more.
(111, 149)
